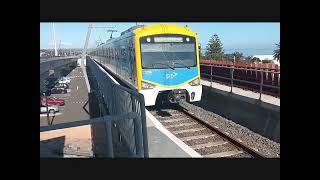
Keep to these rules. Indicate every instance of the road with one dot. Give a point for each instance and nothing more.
(75, 100)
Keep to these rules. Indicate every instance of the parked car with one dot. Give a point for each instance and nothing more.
(58, 90)
(50, 80)
(61, 85)
(51, 108)
(52, 101)
(47, 92)
(64, 80)
(50, 85)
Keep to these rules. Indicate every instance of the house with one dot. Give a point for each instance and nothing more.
(267, 58)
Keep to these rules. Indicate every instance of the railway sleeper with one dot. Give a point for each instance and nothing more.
(188, 130)
(189, 138)
(224, 154)
(209, 144)
(181, 124)
(174, 120)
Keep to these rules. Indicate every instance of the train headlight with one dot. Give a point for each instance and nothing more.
(148, 39)
(195, 82)
(147, 85)
(187, 39)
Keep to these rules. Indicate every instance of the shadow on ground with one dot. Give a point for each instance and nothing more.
(52, 147)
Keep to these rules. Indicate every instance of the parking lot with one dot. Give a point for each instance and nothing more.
(75, 107)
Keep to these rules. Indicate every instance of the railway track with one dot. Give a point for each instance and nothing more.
(206, 140)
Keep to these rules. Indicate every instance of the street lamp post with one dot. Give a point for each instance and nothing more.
(47, 108)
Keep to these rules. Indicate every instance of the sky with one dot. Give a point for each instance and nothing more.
(248, 38)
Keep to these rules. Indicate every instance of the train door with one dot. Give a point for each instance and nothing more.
(132, 60)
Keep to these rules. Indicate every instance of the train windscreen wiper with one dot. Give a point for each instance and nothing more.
(163, 64)
(183, 65)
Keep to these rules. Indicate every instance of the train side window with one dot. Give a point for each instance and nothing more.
(116, 53)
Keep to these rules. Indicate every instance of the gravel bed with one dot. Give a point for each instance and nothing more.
(215, 149)
(242, 155)
(264, 145)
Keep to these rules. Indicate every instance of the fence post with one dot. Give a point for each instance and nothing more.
(138, 136)
(211, 76)
(109, 133)
(261, 83)
(231, 71)
(143, 122)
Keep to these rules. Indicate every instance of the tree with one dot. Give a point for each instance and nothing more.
(276, 53)
(237, 55)
(214, 48)
(248, 58)
(255, 60)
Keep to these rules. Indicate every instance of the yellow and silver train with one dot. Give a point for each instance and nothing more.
(161, 61)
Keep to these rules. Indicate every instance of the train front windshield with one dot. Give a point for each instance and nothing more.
(162, 52)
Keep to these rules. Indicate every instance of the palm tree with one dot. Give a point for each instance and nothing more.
(276, 53)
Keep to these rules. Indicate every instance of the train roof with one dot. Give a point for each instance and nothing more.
(163, 28)
(131, 29)
(142, 30)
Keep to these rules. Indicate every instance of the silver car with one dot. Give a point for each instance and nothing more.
(52, 109)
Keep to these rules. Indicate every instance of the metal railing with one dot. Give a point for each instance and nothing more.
(232, 79)
(119, 100)
(107, 120)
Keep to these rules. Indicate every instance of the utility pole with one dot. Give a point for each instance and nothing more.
(45, 96)
(60, 48)
(111, 32)
(86, 43)
(54, 41)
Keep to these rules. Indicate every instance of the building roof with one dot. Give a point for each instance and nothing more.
(264, 57)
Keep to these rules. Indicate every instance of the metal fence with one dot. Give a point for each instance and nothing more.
(258, 80)
(119, 107)
(119, 100)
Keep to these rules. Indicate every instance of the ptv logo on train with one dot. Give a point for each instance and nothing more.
(171, 75)
(168, 77)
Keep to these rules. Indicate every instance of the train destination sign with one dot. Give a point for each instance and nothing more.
(168, 39)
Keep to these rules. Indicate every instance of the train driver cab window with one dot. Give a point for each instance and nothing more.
(168, 51)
